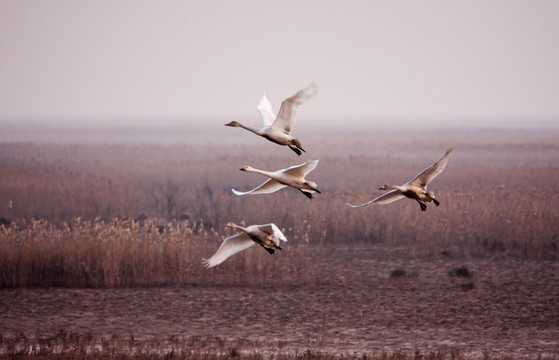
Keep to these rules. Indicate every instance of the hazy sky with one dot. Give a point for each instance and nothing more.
(112, 61)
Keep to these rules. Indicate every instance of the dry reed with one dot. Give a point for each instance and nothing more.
(128, 253)
(499, 198)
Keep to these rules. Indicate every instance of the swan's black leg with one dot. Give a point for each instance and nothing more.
(297, 151)
(313, 188)
(271, 251)
(298, 145)
(307, 194)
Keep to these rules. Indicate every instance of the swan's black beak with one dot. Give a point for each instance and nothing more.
(381, 188)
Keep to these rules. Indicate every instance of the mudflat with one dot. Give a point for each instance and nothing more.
(364, 301)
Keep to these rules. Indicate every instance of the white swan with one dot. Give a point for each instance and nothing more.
(415, 189)
(268, 236)
(293, 176)
(278, 129)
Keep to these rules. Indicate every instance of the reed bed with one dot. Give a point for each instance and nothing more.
(128, 253)
(103, 215)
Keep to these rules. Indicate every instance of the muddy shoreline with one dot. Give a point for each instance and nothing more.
(504, 307)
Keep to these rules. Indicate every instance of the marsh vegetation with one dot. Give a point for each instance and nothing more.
(142, 215)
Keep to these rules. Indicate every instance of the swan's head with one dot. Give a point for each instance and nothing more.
(230, 225)
(246, 168)
(233, 124)
(384, 187)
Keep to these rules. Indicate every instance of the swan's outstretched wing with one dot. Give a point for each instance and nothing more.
(230, 246)
(301, 170)
(266, 111)
(269, 186)
(387, 198)
(288, 111)
(431, 172)
(272, 229)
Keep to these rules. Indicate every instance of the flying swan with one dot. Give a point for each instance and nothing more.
(278, 129)
(293, 176)
(268, 236)
(415, 189)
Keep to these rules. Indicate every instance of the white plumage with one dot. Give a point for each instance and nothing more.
(278, 129)
(268, 236)
(293, 176)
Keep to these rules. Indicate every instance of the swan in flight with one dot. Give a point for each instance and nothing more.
(293, 176)
(415, 189)
(268, 236)
(278, 129)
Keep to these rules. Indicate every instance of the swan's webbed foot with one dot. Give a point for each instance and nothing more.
(423, 206)
(436, 202)
(297, 151)
(271, 251)
(307, 194)
(312, 187)
(296, 143)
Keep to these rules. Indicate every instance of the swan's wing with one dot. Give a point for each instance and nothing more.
(431, 172)
(387, 198)
(269, 186)
(230, 246)
(266, 111)
(272, 229)
(301, 170)
(288, 110)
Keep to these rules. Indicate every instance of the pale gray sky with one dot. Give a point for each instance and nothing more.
(121, 60)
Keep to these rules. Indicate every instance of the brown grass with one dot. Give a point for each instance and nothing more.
(499, 198)
(136, 253)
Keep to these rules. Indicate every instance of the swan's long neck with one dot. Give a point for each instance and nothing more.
(256, 131)
(396, 187)
(261, 172)
(238, 227)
